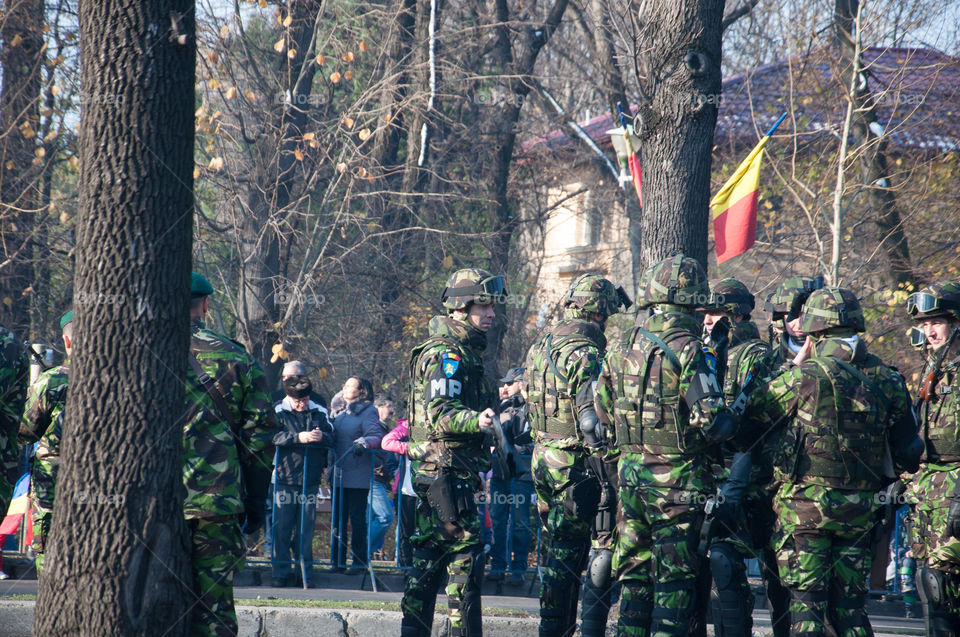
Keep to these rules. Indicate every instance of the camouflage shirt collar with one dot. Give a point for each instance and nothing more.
(460, 331)
(197, 324)
(743, 332)
(670, 320)
(844, 349)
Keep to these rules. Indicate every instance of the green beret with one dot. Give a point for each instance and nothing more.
(199, 286)
(66, 318)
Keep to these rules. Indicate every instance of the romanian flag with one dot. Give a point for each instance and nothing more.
(19, 506)
(735, 207)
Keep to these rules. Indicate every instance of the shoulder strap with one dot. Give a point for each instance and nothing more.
(656, 340)
(866, 380)
(211, 387)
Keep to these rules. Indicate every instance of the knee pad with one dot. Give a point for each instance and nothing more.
(599, 568)
(727, 566)
(931, 584)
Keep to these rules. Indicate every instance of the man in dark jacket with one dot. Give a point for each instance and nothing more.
(512, 485)
(304, 438)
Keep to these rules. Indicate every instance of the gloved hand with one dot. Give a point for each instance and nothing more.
(252, 518)
(953, 518)
(359, 445)
(726, 517)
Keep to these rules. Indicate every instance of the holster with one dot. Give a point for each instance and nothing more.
(448, 495)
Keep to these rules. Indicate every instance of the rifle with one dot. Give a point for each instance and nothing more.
(502, 448)
(933, 377)
(44, 365)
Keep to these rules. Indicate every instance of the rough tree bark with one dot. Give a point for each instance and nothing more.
(872, 148)
(680, 84)
(21, 57)
(117, 560)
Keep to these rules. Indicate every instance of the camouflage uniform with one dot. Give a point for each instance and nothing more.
(784, 304)
(448, 390)
(14, 375)
(747, 493)
(659, 390)
(830, 422)
(937, 485)
(226, 470)
(574, 504)
(42, 423)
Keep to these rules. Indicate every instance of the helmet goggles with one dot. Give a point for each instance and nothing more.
(490, 290)
(923, 302)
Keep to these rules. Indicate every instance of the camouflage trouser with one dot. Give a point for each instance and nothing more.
(934, 489)
(826, 573)
(217, 553)
(567, 499)
(656, 557)
(43, 477)
(438, 545)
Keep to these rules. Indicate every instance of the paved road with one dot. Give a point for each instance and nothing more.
(348, 589)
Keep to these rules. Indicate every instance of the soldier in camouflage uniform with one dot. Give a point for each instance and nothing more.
(42, 422)
(659, 390)
(936, 309)
(450, 420)
(572, 471)
(14, 377)
(784, 305)
(830, 420)
(745, 362)
(228, 454)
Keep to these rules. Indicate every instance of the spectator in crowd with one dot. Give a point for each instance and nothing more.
(290, 369)
(384, 473)
(396, 441)
(303, 441)
(510, 495)
(355, 430)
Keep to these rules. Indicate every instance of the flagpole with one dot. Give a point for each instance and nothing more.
(776, 125)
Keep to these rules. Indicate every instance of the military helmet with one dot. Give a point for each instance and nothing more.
(472, 285)
(831, 308)
(677, 280)
(788, 299)
(730, 295)
(592, 293)
(939, 299)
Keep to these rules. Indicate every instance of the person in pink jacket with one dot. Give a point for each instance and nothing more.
(396, 441)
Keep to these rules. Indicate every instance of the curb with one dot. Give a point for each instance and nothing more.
(16, 617)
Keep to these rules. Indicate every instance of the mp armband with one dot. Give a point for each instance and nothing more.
(703, 386)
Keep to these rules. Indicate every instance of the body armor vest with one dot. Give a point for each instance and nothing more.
(940, 415)
(839, 438)
(553, 408)
(462, 451)
(650, 414)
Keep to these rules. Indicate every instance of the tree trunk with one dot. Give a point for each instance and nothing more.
(680, 59)
(21, 57)
(501, 217)
(872, 149)
(117, 561)
(269, 198)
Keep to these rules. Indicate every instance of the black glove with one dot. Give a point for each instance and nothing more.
(252, 518)
(722, 428)
(953, 518)
(359, 446)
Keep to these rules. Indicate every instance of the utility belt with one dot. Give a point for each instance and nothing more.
(449, 495)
